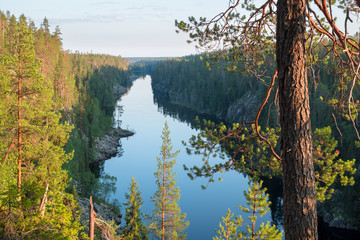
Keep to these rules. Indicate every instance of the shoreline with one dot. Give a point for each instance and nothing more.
(107, 146)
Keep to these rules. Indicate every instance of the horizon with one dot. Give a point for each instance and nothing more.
(129, 29)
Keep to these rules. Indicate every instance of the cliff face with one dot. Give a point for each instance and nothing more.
(244, 109)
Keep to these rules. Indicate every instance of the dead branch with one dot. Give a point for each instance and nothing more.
(336, 125)
(43, 201)
(92, 215)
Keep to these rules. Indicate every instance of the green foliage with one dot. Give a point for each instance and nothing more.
(244, 152)
(135, 228)
(258, 204)
(237, 146)
(166, 220)
(328, 168)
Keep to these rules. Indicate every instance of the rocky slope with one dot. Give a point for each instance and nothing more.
(103, 211)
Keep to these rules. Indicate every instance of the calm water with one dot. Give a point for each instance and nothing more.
(204, 208)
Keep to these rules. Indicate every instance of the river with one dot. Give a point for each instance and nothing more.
(204, 208)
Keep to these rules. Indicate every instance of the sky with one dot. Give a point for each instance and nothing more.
(130, 28)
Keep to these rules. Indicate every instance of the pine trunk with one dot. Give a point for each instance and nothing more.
(19, 133)
(300, 218)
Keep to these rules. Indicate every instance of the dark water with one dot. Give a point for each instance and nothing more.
(204, 208)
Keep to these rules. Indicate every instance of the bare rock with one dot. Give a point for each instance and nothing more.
(107, 147)
(119, 90)
(244, 108)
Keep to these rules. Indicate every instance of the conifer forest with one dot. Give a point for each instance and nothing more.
(254, 136)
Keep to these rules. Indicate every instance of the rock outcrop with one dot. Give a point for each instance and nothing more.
(107, 147)
(118, 91)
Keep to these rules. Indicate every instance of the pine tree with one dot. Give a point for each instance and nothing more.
(135, 228)
(167, 221)
(258, 204)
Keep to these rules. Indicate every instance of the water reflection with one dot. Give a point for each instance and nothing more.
(274, 189)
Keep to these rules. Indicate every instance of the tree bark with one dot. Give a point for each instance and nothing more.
(300, 218)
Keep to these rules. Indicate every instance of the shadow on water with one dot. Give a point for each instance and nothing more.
(181, 113)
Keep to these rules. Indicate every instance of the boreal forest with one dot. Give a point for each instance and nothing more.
(288, 125)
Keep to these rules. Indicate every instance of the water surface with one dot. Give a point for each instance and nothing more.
(204, 208)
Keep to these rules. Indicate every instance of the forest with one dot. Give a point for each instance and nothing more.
(54, 104)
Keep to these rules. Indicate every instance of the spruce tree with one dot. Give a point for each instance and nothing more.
(135, 228)
(257, 202)
(167, 221)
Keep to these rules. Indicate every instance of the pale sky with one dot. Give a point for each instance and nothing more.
(130, 28)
